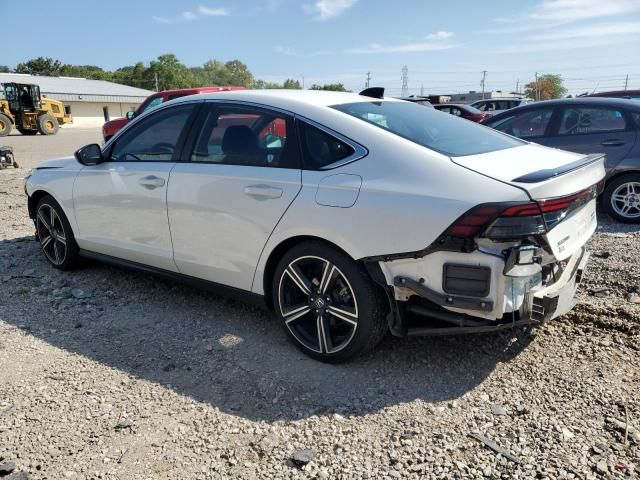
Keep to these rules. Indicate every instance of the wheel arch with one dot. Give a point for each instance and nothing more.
(279, 251)
(622, 172)
(34, 198)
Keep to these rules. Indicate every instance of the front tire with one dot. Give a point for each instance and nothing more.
(327, 303)
(5, 125)
(55, 235)
(622, 198)
(47, 124)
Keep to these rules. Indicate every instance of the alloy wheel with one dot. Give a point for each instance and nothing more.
(318, 304)
(51, 234)
(625, 200)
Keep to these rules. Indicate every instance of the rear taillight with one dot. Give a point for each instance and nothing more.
(508, 221)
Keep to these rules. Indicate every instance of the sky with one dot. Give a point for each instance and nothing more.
(445, 44)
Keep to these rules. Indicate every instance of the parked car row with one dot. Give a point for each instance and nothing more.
(588, 125)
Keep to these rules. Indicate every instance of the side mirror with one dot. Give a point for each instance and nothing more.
(89, 154)
(131, 114)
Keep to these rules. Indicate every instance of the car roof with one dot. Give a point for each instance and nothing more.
(463, 105)
(195, 90)
(614, 92)
(501, 98)
(288, 99)
(596, 101)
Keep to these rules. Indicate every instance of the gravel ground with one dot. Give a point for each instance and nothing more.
(109, 374)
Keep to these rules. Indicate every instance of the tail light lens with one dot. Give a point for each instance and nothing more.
(507, 221)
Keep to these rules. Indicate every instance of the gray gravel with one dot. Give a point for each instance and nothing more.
(109, 374)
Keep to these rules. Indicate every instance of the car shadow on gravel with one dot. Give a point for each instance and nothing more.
(224, 353)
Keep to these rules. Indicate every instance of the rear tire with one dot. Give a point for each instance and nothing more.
(47, 124)
(27, 131)
(621, 198)
(55, 235)
(5, 125)
(327, 303)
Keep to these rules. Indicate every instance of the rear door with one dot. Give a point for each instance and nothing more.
(594, 129)
(243, 172)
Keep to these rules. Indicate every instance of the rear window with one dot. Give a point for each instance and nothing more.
(430, 128)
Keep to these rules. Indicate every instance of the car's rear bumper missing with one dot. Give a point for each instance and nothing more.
(554, 300)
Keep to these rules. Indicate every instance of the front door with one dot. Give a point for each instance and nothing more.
(121, 204)
(243, 174)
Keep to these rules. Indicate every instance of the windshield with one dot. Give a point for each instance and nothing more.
(430, 128)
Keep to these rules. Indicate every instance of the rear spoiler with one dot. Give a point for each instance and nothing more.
(541, 175)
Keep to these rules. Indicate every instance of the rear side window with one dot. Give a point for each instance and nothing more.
(152, 104)
(585, 120)
(427, 127)
(524, 125)
(320, 149)
(238, 135)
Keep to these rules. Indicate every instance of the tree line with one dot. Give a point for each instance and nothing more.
(164, 73)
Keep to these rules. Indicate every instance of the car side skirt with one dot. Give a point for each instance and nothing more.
(244, 296)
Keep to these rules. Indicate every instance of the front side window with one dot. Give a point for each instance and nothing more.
(424, 126)
(524, 125)
(320, 149)
(154, 138)
(581, 120)
(237, 135)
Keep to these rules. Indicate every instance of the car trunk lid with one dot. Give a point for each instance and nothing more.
(542, 172)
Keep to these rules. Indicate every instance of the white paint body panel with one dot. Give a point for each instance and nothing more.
(218, 229)
(399, 198)
(119, 217)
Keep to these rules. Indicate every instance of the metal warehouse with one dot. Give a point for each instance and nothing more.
(90, 102)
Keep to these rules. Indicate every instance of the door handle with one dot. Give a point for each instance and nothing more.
(151, 181)
(263, 191)
(612, 143)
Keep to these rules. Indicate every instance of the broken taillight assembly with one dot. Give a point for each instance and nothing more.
(509, 221)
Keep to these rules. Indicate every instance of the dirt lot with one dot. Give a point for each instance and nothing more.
(117, 375)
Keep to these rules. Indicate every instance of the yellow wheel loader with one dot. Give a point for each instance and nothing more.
(22, 107)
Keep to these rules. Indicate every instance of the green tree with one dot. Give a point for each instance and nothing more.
(334, 87)
(40, 66)
(4, 69)
(169, 71)
(292, 84)
(91, 72)
(133, 75)
(548, 86)
(262, 84)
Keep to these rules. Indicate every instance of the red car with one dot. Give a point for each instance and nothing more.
(110, 128)
(464, 111)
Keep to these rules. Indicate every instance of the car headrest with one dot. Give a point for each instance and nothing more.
(239, 140)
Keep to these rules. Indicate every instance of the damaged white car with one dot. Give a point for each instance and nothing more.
(349, 215)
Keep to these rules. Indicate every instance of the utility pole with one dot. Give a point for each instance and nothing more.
(156, 76)
(422, 90)
(484, 77)
(626, 81)
(368, 83)
(517, 85)
(537, 88)
(302, 81)
(405, 81)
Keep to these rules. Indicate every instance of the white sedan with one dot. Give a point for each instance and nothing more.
(349, 215)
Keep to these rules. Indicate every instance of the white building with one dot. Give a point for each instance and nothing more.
(90, 102)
